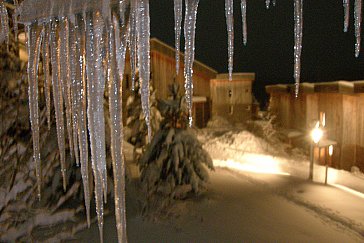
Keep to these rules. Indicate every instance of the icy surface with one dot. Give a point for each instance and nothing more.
(243, 17)
(65, 77)
(298, 26)
(4, 21)
(178, 5)
(57, 96)
(229, 14)
(116, 126)
(46, 71)
(189, 31)
(143, 31)
(346, 5)
(74, 85)
(133, 41)
(81, 107)
(357, 23)
(34, 34)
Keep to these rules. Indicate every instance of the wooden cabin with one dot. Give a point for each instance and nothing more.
(163, 73)
(232, 99)
(341, 101)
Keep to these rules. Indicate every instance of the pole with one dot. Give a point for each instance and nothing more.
(310, 177)
(327, 167)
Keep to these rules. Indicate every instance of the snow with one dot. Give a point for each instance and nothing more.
(258, 193)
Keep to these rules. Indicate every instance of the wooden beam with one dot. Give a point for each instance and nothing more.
(32, 10)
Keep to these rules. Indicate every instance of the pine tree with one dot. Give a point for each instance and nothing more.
(174, 163)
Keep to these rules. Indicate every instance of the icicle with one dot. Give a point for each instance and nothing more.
(243, 17)
(4, 28)
(189, 31)
(177, 29)
(133, 41)
(229, 13)
(143, 31)
(34, 45)
(15, 20)
(46, 71)
(116, 125)
(94, 101)
(298, 26)
(81, 108)
(65, 78)
(346, 4)
(74, 85)
(57, 97)
(267, 3)
(357, 23)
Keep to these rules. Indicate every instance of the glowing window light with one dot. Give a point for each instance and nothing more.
(331, 150)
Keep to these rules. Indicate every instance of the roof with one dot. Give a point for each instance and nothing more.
(340, 86)
(236, 77)
(160, 46)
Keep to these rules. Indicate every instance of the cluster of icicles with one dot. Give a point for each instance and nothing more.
(82, 53)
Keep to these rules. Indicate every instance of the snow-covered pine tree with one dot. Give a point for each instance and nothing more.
(174, 163)
(137, 133)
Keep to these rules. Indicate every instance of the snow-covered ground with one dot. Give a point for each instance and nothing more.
(258, 193)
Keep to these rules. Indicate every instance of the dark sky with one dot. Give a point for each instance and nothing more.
(327, 54)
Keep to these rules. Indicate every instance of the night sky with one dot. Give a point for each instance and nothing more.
(327, 54)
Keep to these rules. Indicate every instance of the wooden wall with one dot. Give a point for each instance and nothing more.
(232, 99)
(344, 109)
(163, 73)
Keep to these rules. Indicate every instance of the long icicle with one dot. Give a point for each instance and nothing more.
(189, 31)
(92, 115)
(46, 72)
(34, 45)
(57, 97)
(298, 27)
(143, 31)
(244, 23)
(74, 85)
(346, 5)
(133, 41)
(267, 3)
(64, 78)
(178, 4)
(4, 20)
(229, 14)
(82, 112)
(357, 23)
(116, 124)
(99, 26)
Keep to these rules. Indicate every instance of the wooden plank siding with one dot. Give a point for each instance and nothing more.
(343, 104)
(163, 74)
(232, 99)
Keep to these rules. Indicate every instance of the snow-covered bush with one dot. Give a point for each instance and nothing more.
(174, 163)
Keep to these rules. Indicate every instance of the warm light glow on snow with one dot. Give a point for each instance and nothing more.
(351, 191)
(256, 163)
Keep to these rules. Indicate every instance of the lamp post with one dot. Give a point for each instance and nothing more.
(331, 151)
(316, 135)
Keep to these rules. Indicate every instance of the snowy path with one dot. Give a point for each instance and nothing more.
(243, 207)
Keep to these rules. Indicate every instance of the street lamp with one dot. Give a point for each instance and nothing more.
(316, 135)
(331, 151)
